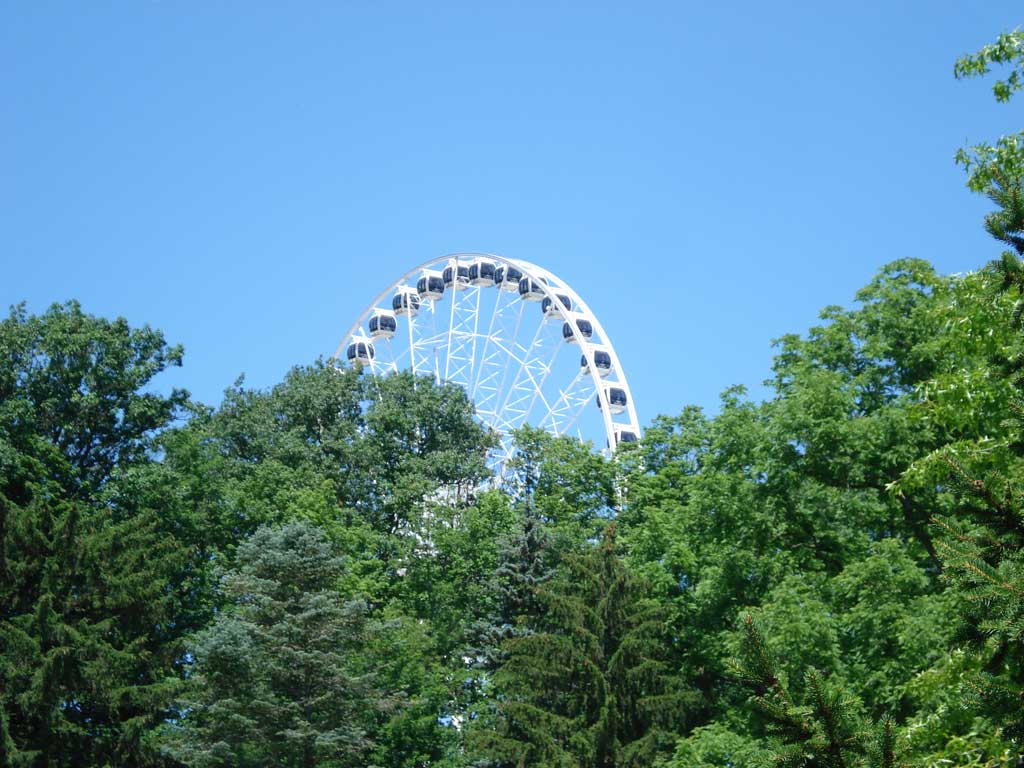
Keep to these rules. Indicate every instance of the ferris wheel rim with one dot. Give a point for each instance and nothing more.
(542, 278)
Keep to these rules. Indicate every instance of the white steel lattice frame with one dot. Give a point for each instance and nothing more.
(504, 358)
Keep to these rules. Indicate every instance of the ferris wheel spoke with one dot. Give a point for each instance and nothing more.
(495, 361)
(538, 393)
(578, 392)
(580, 407)
(500, 305)
(433, 328)
(532, 380)
(476, 328)
(496, 396)
(412, 345)
(525, 382)
(395, 357)
(451, 319)
(462, 335)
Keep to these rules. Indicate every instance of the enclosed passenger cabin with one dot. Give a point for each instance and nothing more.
(530, 289)
(383, 324)
(550, 308)
(481, 272)
(584, 326)
(406, 302)
(602, 362)
(616, 399)
(430, 285)
(456, 276)
(507, 278)
(624, 435)
(360, 351)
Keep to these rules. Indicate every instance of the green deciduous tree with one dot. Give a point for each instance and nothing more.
(997, 170)
(384, 466)
(567, 484)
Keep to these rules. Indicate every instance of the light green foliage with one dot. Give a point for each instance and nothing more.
(73, 394)
(406, 660)
(997, 171)
(981, 549)
(891, 623)
(367, 460)
(381, 446)
(765, 505)
(718, 746)
(1007, 49)
(570, 486)
(799, 627)
(455, 582)
(945, 730)
(965, 396)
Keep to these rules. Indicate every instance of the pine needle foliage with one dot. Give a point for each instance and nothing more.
(93, 595)
(982, 551)
(282, 676)
(824, 729)
(982, 544)
(593, 683)
(525, 567)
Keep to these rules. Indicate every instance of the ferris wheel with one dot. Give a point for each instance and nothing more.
(521, 342)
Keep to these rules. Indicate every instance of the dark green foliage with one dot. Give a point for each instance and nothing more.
(92, 598)
(526, 560)
(824, 729)
(525, 565)
(594, 683)
(283, 676)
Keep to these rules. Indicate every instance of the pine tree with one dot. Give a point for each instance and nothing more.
(284, 675)
(524, 568)
(982, 549)
(527, 561)
(825, 730)
(593, 683)
(92, 596)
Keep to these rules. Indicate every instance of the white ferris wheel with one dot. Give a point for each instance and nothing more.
(521, 342)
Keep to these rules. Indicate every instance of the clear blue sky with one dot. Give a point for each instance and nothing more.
(247, 176)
